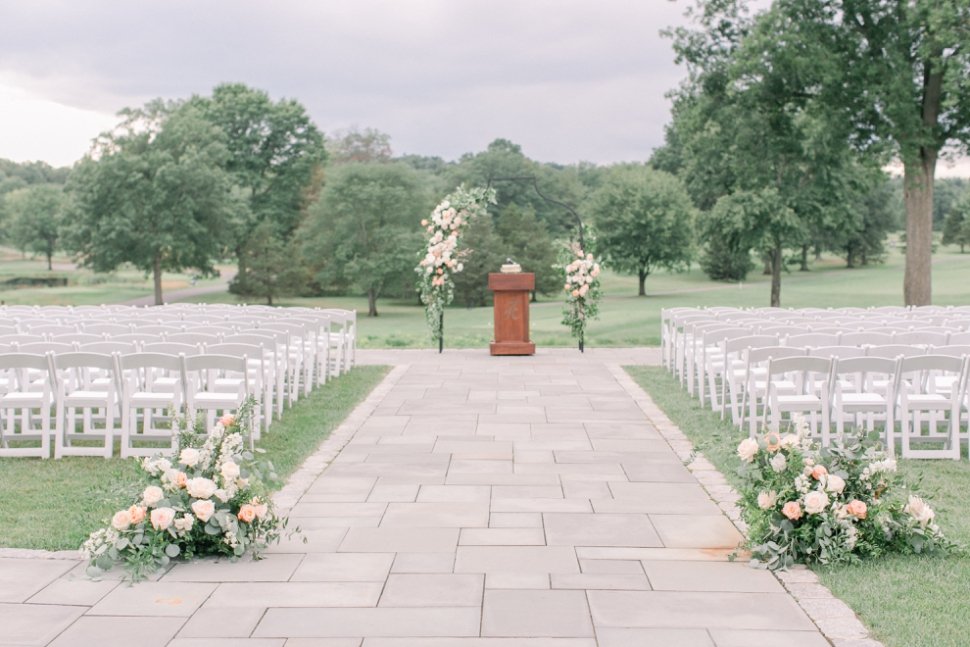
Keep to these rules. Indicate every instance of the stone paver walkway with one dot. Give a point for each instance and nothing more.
(483, 502)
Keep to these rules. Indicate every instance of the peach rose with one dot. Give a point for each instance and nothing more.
(857, 508)
(818, 472)
(792, 510)
(204, 510)
(121, 520)
(137, 514)
(575, 293)
(247, 513)
(227, 420)
(424, 222)
(181, 479)
(162, 518)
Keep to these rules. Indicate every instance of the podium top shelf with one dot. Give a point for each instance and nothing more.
(507, 282)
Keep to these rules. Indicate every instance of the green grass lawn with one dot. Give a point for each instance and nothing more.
(906, 601)
(55, 504)
(628, 320)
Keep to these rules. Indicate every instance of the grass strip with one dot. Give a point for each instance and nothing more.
(906, 601)
(54, 504)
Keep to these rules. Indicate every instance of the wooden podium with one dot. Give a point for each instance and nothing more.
(512, 292)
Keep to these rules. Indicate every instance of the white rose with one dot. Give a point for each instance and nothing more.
(767, 500)
(162, 518)
(184, 523)
(816, 501)
(200, 488)
(229, 470)
(121, 520)
(221, 494)
(747, 449)
(834, 484)
(779, 463)
(152, 495)
(919, 510)
(789, 441)
(204, 510)
(189, 457)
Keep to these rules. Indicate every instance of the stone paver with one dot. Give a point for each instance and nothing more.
(472, 501)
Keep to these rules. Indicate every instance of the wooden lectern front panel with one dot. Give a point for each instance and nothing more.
(512, 293)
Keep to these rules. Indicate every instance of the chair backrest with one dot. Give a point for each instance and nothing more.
(22, 368)
(83, 360)
(740, 344)
(764, 354)
(812, 339)
(171, 348)
(193, 338)
(108, 347)
(959, 338)
(957, 350)
(783, 330)
(893, 351)
(20, 338)
(42, 347)
(865, 365)
(52, 329)
(922, 338)
(206, 367)
(252, 351)
(837, 351)
(799, 364)
(150, 360)
(104, 328)
(863, 338)
(77, 338)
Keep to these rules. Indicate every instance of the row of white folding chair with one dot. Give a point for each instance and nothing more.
(931, 385)
(98, 387)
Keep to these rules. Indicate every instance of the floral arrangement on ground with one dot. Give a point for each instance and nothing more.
(804, 503)
(212, 499)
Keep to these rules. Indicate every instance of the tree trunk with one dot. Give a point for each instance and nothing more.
(818, 251)
(775, 258)
(849, 257)
(50, 262)
(804, 267)
(642, 275)
(766, 259)
(157, 276)
(918, 192)
(863, 257)
(372, 303)
(269, 299)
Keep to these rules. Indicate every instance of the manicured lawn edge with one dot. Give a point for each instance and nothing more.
(906, 601)
(53, 505)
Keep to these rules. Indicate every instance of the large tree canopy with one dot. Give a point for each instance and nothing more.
(36, 216)
(644, 221)
(365, 228)
(154, 193)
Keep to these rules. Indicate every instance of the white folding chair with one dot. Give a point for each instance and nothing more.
(153, 384)
(755, 385)
(811, 377)
(865, 338)
(735, 371)
(25, 405)
(863, 385)
(260, 375)
(202, 389)
(812, 340)
(87, 384)
(918, 394)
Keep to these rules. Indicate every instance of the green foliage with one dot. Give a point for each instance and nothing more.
(526, 240)
(362, 233)
(727, 255)
(154, 193)
(956, 226)
(269, 267)
(481, 253)
(36, 216)
(644, 221)
(355, 145)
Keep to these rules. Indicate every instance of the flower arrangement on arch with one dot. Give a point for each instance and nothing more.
(809, 504)
(582, 287)
(441, 260)
(210, 499)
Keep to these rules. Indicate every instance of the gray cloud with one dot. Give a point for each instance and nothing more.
(570, 80)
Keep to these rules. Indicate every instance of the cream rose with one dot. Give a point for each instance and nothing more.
(246, 513)
(747, 449)
(189, 457)
(792, 510)
(162, 518)
(152, 495)
(121, 520)
(184, 523)
(835, 484)
(779, 463)
(790, 441)
(229, 470)
(767, 500)
(261, 509)
(221, 494)
(816, 501)
(200, 488)
(919, 510)
(204, 510)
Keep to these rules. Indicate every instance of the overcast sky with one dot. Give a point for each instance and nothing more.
(569, 80)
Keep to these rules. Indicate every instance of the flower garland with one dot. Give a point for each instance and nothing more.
(807, 504)
(582, 289)
(210, 500)
(442, 258)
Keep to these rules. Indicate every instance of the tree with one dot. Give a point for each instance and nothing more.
(644, 221)
(269, 268)
(761, 220)
(897, 71)
(364, 230)
(527, 241)
(276, 155)
(154, 193)
(355, 145)
(727, 252)
(37, 217)
(482, 252)
(956, 227)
